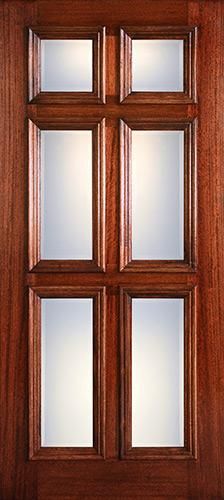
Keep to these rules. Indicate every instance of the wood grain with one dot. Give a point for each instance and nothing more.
(68, 13)
(189, 450)
(96, 34)
(36, 451)
(23, 479)
(186, 33)
(189, 262)
(36, 263)
(18, 478)
(211, 251)
(113, 110)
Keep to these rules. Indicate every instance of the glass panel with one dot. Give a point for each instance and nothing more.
(67, 65)
(158, 194)
(157, 372)
(67, 372)
(158, 65)
(66, 194)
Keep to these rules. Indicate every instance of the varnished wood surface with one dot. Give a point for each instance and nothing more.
(96, 34)
(189, 449)
(36, 451)
(189, 262)
(112, 14)
(22, 479)
(186, 33)
(113, 110)
(35, 262)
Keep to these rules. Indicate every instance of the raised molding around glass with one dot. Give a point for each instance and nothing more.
(158, 65)
(66, 194)
(157, 184)
(67, 372)
(157, 372)
(67, 65)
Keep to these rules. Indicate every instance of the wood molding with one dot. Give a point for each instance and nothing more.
(189, 450)
(98, 189)
(113, 111)
(186, 33)
(36, 451)
(96, 34)
(22, 479)
(190, 197)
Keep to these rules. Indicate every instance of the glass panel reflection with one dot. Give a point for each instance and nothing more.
(67, 65)
(67, 372)
(66, 194)
(158, 194)
(157, 372)
(158, 65)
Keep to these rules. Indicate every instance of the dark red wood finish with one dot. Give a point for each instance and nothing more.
(36, 451)
(98, 195)
(111, 477)
(186, 33)
(189, 450)
(190, 197)
(38, 33)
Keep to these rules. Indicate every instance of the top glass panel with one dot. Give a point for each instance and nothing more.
(67, 65)
(158, 65)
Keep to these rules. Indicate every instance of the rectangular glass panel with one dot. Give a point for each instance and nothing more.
(157, 372)
(66, 372)
(158, 65)
(158, 194)
(67, 65)
(66, 194)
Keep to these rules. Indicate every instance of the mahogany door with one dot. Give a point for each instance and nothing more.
(125, 236)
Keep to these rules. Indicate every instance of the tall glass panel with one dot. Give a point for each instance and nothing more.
(158, 194)
(67, 372)
(157, 372)
(66, 194)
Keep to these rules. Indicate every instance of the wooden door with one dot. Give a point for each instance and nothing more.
(112, 111)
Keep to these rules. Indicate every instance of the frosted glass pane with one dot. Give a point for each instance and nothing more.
(158, 65)
(157, 372)
(67, 372)
(158, 194)
(66, 194)
(67, 65)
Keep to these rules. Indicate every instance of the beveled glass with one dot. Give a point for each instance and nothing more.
(67, 65)
(157, 65)
(67, 372)
(157, 372)
(157, 183)
(66, 194)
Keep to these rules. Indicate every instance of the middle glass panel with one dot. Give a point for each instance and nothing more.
(66, 194)
(157, 194)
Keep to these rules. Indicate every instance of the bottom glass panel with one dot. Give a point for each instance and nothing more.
(67, 372)
(157, 372)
